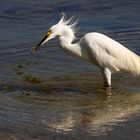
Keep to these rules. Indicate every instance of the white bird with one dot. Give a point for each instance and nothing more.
(96, 48)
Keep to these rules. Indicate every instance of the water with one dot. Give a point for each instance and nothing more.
(51, 95)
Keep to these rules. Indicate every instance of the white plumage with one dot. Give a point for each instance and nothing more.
(109, 55)
(112, 54)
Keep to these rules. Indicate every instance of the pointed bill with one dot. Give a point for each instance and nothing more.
(34, 49)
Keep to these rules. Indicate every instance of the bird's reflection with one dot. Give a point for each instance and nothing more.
(98, 115)
(95, 112)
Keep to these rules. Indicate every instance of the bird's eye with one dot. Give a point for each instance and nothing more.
(49, 32)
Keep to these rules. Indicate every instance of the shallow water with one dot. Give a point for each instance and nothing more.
(50, 95)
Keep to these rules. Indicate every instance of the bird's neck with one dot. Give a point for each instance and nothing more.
(72, 49)
(66, 35)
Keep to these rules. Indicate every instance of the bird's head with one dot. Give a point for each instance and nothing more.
(56, 30)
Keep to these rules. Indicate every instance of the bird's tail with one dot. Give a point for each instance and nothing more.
(135, 65)
(132, 64)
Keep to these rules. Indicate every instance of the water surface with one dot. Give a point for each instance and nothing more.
(51, 95)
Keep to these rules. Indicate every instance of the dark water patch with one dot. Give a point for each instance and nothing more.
(31, 79)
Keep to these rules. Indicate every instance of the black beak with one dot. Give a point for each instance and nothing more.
(34, 49)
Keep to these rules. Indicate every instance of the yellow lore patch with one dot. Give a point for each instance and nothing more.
(49, 33)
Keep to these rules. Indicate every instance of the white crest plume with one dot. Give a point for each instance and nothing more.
(70, 22)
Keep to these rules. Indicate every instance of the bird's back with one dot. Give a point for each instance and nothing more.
(109, 53)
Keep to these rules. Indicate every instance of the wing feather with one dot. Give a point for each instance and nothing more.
(109, 53)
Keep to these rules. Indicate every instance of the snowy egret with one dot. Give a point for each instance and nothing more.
(106, 53)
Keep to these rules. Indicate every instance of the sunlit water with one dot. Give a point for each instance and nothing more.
(50, 95)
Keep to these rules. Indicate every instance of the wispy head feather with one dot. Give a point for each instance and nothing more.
(70, 22)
